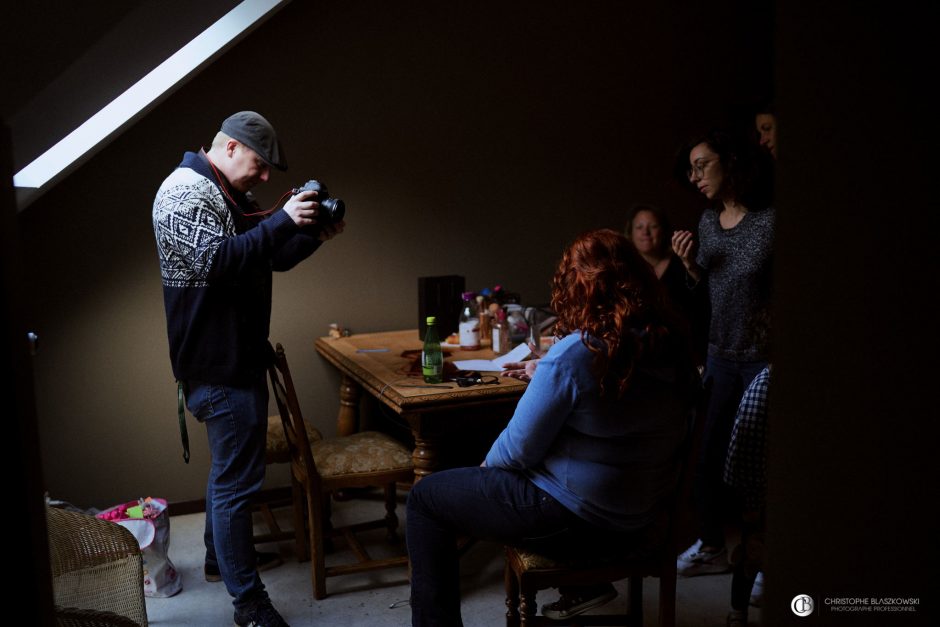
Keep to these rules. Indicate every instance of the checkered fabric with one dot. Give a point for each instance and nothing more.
(746, 463)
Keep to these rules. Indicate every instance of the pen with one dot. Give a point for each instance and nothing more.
(371, 350)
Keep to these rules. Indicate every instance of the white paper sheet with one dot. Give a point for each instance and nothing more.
(517, 354)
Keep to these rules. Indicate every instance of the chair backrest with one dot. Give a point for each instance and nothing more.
(303, 466)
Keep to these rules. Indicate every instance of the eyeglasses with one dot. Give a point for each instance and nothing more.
(697, 169)
(475, 378)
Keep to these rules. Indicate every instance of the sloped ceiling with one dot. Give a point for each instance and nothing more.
(62, 63)
(43, 37)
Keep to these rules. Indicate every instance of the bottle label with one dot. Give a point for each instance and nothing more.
(428, 366)
(497, 341)
(470, 335)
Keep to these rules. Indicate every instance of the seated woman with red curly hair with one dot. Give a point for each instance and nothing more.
(592, 450)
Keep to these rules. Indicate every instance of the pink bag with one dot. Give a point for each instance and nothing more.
(149, 522)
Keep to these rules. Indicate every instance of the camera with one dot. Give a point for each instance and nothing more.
(331, 210)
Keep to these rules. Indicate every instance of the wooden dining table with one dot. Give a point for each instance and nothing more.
(382, 365)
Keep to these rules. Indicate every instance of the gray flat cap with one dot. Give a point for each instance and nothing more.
(254, 131)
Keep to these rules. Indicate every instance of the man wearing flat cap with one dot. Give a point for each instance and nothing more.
(217, 252)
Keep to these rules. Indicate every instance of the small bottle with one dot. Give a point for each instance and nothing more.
(485, 320)
(432, 359)
(518, 329)
(501, 341)
(469, 326)
(533, 319)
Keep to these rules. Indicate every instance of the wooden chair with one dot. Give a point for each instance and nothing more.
(527, 572)
(320, 468)
(277, 451)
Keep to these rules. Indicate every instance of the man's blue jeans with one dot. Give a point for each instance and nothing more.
(236, 419)
(485, 503)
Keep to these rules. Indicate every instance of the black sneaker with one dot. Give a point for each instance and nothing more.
(265, 561)
(260, 613)
(578, 600)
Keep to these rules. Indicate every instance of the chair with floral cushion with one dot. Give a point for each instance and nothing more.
(323, 467)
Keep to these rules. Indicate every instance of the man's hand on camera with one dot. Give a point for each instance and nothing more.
(329, 231)
(302, 208)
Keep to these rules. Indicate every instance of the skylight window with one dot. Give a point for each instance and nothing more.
(142, 96)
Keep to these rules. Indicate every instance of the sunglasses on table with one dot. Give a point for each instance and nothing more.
(466, 379)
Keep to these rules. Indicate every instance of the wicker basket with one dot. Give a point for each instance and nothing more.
(97, 570)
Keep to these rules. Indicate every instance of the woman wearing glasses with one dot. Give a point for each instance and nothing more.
(591, 450)
(733, 253)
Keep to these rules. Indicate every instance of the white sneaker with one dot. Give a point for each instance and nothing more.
(694, 561)
(757, 591)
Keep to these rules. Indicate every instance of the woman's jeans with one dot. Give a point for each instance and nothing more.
(725, 381)
(485, 503)
(236, 419)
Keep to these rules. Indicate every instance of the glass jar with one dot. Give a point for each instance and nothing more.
(469, 324)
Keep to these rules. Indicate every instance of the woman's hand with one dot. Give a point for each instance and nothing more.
(522, 370)
(683, 244)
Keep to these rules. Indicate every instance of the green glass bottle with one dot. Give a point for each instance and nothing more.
(432, 358)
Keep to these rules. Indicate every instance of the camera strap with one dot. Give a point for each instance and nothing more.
(289, 192)
(184, 435)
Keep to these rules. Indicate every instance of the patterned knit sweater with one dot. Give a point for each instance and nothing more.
(216, 266)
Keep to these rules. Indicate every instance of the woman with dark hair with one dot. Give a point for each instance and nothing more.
(650, 232)
(591, 452)
(765, 123)
(734, 252)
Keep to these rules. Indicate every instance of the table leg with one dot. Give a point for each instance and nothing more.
(350, 392)
(427, 444)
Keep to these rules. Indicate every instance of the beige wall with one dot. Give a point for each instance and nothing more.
(470, 141)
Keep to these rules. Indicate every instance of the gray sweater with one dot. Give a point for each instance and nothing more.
(738, 263)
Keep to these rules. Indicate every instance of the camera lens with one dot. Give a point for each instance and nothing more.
(333, 209)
